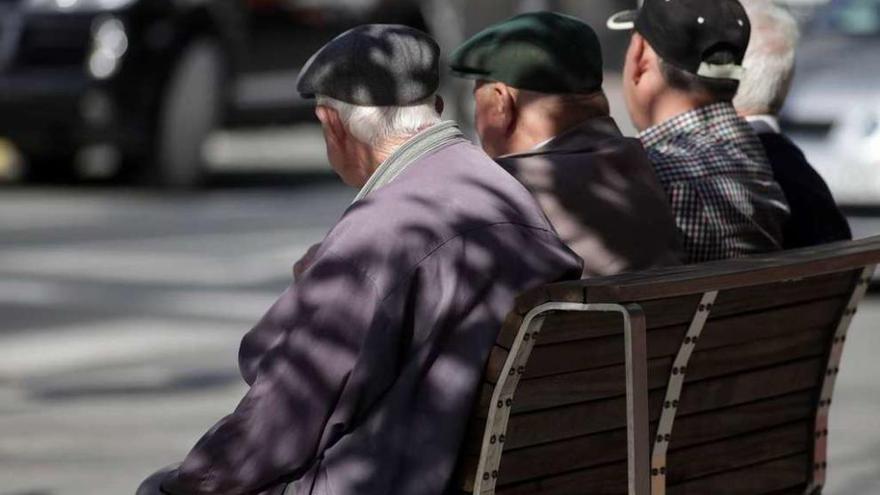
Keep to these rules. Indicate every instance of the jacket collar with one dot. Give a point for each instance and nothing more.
(764, 124)
(582, 137)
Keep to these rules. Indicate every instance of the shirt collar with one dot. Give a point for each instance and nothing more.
(766, 121)
(688, 123)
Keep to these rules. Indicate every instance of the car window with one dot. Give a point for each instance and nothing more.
(851, 17)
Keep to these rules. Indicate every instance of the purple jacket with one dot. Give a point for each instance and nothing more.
(363, 375)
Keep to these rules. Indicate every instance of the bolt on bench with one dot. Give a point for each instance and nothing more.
(710, 379)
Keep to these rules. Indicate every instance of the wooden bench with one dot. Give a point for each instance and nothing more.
(587, 380)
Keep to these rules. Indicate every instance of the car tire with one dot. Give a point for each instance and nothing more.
(41, 168)
(190, 110)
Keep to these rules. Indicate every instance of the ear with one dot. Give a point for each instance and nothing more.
(439, 105)
(504, 105)
(334, 129)
(637, 58)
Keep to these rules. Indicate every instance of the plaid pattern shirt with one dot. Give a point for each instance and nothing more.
(720, 184)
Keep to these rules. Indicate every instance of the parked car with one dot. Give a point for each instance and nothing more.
(833, 111)
(151, 79)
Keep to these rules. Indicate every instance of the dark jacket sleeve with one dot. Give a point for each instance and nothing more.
(294, 407)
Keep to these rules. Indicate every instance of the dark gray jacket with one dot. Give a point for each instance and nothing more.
(600, 192)
(364, 373)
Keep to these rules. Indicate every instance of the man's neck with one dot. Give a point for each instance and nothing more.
(674, 104)
(534, 134)
(382, 151)
(374, 156)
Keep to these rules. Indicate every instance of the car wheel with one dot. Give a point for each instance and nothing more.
(40, 168)
(190, 110)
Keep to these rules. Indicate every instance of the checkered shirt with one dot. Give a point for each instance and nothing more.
(720, 184)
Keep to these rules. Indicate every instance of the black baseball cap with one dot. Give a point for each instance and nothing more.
(686, 33)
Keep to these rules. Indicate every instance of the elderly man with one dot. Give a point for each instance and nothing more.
(680, 76)
(815, 218)
(541, 111)
(363, 375)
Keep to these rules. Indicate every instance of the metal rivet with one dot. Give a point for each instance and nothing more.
(667, 437)
(675, 403)
(527, 337)
(508, 402)
(683, 370)
(701, 20)
(495, 474)
(659, 438)
(663, 470)
(500, 403)
(654, 472)
(709, 306)
(486, 476)
(501, 438)
(521, 370)
(667, 405)
(702, 307)
(674, 371)
(493, 440)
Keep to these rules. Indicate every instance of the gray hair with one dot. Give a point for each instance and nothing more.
(374, 125)
(770, 59)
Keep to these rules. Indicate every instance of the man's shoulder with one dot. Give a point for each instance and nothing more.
(703, 153)
(442, 197)
(791, 168)
(782, 147)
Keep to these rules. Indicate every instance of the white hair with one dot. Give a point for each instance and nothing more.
(770, 59)
(374, 125)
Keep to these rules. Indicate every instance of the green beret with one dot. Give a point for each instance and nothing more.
(539, 51)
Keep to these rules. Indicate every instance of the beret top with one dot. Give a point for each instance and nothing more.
(374, 65)
(538, 51)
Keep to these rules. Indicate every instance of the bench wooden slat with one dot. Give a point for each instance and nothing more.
(574, 388)
(781, 474)
(570, 421)
(680, 310)
(607, 447)
(553, 359)
(689, 464)
(733, 274)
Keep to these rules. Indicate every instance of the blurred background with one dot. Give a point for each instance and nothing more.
(159, 176)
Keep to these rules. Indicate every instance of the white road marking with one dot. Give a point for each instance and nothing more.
(111, 341)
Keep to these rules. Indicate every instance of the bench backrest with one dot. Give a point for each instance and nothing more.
(702, 379)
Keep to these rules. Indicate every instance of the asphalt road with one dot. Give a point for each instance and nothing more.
(121, 313)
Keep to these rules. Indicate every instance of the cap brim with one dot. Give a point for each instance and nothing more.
(623, 21)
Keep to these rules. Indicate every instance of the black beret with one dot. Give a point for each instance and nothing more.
(374, 65)
(538, 51)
